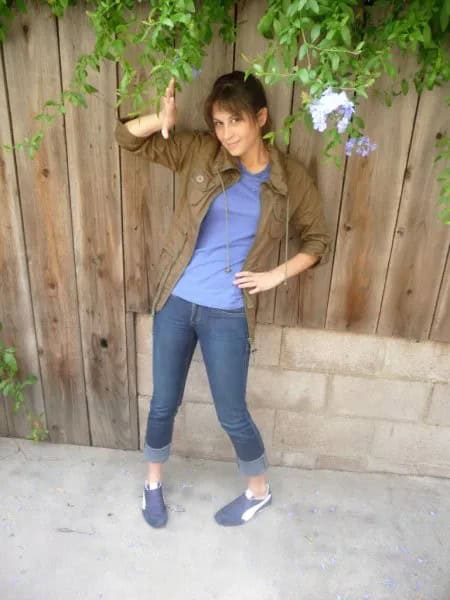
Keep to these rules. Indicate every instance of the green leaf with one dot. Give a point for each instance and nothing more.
(405, 86)
(346, 37)
(315, 32)
(118, 46)
(302, 52)
(44, 117)
(444, 16)
(304, 75)
(10, 360)
(390, 69)
(314, 6)
(90, 89)
(334, 61)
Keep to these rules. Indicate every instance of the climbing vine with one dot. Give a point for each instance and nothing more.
(333, 50)
(13, 387)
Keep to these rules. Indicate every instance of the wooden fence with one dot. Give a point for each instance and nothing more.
(81, 227)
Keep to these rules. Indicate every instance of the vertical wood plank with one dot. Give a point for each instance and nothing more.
(16, 312)
(147, 196)
(250, 43)
(4, 429)
(93, 162)
(33, 76)
(132, 378)
(440, 329)
(190, 101)
(370, 203)
(421, 240)
(309, 291)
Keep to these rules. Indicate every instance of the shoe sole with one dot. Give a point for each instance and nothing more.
(155, 526)
(244, 522)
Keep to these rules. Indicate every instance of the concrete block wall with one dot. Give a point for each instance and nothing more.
(324, 400)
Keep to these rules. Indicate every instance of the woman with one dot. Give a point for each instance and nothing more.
(238, 197)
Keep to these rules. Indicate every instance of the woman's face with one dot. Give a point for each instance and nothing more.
(239, 134)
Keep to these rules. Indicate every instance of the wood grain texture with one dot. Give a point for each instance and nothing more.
(421, 240)
(147, 197)
(440, 329)
(33, 76)
(16, 313)
(311, 288)
(4, 429)
(190, 101)
(130, 322)
(369, 211)
(93, 161)
(249, 42)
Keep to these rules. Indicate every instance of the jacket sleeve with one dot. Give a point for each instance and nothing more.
(309, 221)
(171, 152)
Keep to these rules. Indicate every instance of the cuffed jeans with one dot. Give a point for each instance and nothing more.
(223, 337)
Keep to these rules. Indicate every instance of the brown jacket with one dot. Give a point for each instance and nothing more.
(289, 198)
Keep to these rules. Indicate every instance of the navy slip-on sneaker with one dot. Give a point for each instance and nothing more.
(154, 508)
(242, 509)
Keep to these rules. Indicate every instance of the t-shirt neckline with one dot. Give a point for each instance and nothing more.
(259, 174)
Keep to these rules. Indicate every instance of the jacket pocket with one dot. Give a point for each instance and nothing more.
(199, 183)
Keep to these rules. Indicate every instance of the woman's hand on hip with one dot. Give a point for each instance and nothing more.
(259, 282)
(168, 114)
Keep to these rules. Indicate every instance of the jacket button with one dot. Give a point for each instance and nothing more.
(199, 179)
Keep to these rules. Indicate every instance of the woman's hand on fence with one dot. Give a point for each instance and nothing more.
(260, 282)
(168, 114)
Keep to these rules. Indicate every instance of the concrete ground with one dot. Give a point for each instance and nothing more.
(71, 528)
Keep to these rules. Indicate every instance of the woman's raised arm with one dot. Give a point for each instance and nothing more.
(163, 121)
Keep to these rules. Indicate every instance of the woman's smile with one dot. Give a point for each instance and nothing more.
(238, 133)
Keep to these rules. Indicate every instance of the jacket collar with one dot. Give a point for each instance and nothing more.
(278, 177)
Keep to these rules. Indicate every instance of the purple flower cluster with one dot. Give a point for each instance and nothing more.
(362, 146)
(331, 104)
(338, 106)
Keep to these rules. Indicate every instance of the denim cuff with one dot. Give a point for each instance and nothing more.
(252, 468)
(156, 454)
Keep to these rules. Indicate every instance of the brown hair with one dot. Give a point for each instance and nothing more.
(238, 95)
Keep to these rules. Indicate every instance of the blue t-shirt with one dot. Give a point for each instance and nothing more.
(205, 280)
